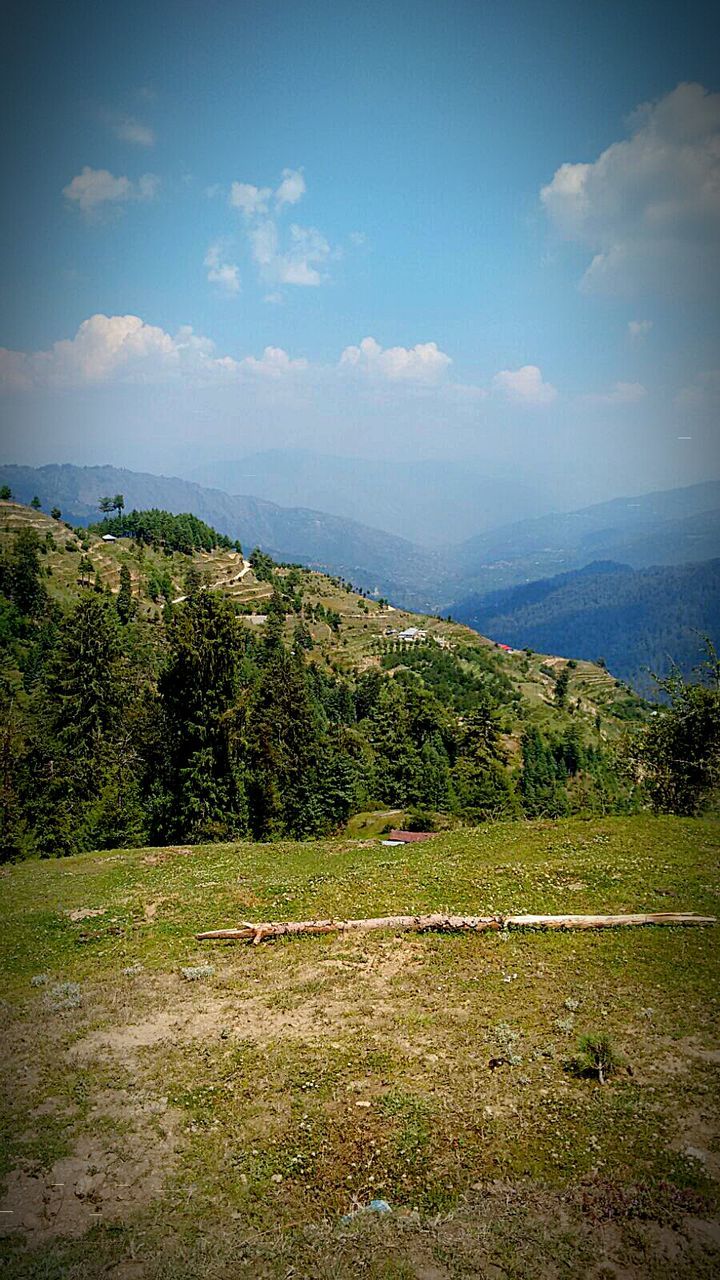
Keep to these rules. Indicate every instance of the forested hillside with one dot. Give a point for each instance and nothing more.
(149, 694)
(638, 621)
(376, 560)
(672, 527)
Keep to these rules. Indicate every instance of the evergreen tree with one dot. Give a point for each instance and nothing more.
(562, 682)
(678, 755)
(21, 574)
(284, 746)
(542, 794)
(481, 783)
(198, 690)
(124, 602)
(36, 503)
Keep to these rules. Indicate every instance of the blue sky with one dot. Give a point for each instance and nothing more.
(482, 230)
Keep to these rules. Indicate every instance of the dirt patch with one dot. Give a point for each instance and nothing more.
(84, 913)
(248, 1020)
(155, 859)
(119, 1167)
(697, 1139)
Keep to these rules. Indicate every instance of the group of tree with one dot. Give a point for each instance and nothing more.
(118, 731)
(155, 528)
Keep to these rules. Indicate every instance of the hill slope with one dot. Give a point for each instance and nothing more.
(671, 527)
(635, 618)
(365, 636)
(376, 560)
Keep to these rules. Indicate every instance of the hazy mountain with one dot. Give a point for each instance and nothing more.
(634, 618)
(674, 526)
(427, 501)
(367, 557)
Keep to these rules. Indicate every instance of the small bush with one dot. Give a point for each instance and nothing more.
(596, 1056)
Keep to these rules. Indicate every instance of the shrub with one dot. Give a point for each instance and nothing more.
(596, 1056)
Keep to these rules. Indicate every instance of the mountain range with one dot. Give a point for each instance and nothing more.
(672, 527)
(430, 501)
(637, 620)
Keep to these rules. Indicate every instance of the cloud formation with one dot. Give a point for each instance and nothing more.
(298, 257)
(620, 393)
(249, 199)
(92, 189)
(524, 386)
(226, 275)
(648, 208)
(424, 363)
(128, 129)
(291, 189)
(274, 363)
(109, 349)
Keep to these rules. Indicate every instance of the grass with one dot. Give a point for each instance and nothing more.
(230, 1123)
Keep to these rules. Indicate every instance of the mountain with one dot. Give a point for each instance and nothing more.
(634, 618)
(427, 500)
(674, 526)
(376, 561)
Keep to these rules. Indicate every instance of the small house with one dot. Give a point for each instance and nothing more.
(109, 537)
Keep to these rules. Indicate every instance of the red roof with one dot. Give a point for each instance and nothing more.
(409, 837)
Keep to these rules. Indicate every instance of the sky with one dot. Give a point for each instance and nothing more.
(483, 231)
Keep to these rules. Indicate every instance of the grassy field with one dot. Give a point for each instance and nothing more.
(180, 1109)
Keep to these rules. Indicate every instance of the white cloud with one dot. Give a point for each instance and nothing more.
(93, 188)
(264, 243)
(291, 189)
(524, 386)
(639, 329)
(130, 130)
(108, 349)
(302, 263)
(620, 393)
(274, 363)
(103, 347)
(224, 274)
(648, 208)
(424, 363)
(252, 201)
(297, 257)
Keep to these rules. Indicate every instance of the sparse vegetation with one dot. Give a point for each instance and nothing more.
(254, 1111)
(596, 1056)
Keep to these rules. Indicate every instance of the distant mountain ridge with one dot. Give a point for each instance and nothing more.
(430, 501)
(369, 558)
(672, 527)
(636, 619)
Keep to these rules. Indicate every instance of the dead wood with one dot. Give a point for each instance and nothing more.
(448, 924)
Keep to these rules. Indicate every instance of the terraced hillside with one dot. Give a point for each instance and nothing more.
(349, 631)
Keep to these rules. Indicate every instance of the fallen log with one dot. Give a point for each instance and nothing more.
(256, 933)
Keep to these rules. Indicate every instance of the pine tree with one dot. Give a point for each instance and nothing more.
(21, 574)
(124, 602)
(198, 689)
